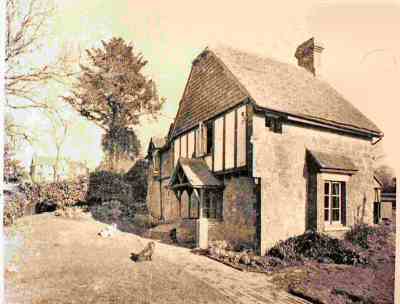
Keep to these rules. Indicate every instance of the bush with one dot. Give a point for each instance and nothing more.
(14, 207)
(144, 221)
(129, 190)
(62, 194)
(106, 186)
(367, 236)
(315, 246)
(359, 234)
(108, 212)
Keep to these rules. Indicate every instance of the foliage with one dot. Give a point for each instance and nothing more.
(64, 193)
(107, 186)
(137, 178)
(315, 246)
(366, 236)
(107, 212)
(112, 92)
(121, 141)
(13, 169)
(359, 234)
(129, 190)
(14, 207)
(387, 177)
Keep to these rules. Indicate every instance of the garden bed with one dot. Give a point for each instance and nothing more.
(322, 269)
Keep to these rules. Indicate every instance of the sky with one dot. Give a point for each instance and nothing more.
(361, 58)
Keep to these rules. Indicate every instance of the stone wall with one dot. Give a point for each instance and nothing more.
(280, 161)
(238, 224)
(153, 194)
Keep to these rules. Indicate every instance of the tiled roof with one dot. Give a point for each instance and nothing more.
(329, 161)
(197, 173)
(287, 88)
(222, 77)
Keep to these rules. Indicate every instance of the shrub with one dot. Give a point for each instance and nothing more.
(106, 186)
(144, 221)
(14, 206)
(62, 194)
(359, 234)
(315, 246)
(367, 236)
(107, 212)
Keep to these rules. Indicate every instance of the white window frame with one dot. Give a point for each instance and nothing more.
(330, 196)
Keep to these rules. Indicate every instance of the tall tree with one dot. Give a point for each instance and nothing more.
(113, 92)
(121, 143)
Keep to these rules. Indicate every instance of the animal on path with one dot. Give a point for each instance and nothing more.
(146, 254)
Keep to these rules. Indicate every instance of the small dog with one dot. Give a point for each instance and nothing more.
(146, 254)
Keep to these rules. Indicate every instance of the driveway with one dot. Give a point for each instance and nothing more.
(64, 261)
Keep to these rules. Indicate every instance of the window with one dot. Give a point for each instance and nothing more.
(212, 205)
(377, 195)
(156, 163)
(334, 199)
(194, 206)
(210, 137)
(274, 123)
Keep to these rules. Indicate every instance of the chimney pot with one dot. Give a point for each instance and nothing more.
(308, 55)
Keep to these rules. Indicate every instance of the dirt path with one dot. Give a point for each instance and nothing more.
(64, 261)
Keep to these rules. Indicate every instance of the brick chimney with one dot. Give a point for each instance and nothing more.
(308, 55)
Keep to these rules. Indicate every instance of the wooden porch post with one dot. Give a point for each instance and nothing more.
(202, 225)
(201, 203)
(189, 192)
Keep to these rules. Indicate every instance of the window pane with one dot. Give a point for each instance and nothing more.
(194, 207)
(326, 215)
(335, 188)
(335, 215)
(326, 201)
(335, 202)
(206, 209)
(210, 136)
(326, 188)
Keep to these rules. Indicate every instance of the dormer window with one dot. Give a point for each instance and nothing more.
(273, 122)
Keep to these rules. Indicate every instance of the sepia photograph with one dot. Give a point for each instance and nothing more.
(199, 152)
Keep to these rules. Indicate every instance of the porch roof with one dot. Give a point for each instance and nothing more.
(329, 162)
(195, 173)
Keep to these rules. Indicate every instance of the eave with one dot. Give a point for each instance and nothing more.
(320, 123)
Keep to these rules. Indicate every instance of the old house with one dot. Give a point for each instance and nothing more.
(263, 147)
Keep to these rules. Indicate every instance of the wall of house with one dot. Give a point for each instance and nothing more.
(239, 217)
(386, 210)
(153, 194)
(229, 135)
(279, 159)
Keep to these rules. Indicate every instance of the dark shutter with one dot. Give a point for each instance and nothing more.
(343, 203)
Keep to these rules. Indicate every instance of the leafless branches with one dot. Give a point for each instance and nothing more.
(59, 132)
(27, 24)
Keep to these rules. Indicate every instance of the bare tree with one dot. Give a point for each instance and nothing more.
(15, 133)
(27, 24)
(59, 133)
